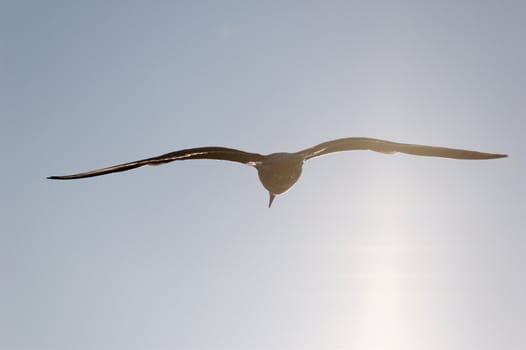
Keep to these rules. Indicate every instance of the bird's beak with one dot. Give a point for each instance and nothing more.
(271, 199)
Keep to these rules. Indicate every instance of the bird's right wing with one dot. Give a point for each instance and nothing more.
(218, 153)
(377, 145)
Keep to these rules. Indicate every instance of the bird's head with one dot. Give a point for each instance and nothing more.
(278, 172)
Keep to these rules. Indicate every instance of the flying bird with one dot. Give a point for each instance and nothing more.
(278, 172)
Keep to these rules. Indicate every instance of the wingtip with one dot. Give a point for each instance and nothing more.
(497, 156)
(58, 178)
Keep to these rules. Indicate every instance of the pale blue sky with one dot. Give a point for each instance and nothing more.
(367, 251)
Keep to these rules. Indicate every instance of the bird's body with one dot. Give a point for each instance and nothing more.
(278, 172)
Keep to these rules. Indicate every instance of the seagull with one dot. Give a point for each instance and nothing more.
(278, 172)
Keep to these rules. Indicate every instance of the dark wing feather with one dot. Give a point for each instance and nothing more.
(218, 153)
(363, 143)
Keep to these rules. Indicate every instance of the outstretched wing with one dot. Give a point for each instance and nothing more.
(364, 143)
(218, 153)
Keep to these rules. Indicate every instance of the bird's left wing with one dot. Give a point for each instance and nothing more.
(217, 153)
(377, 145)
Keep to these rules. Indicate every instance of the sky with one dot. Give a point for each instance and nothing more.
(367, 251)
